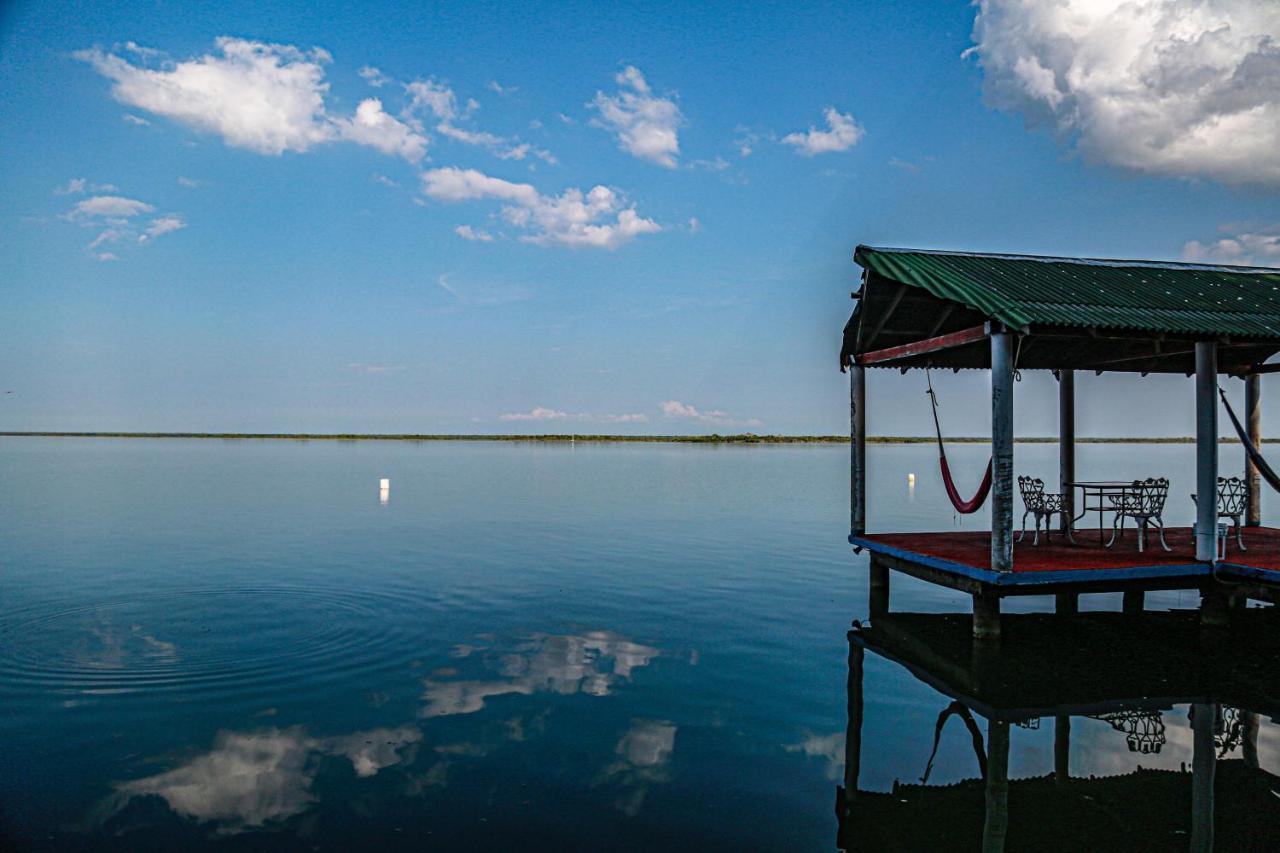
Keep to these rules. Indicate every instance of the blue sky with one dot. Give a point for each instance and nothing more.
(316, 218)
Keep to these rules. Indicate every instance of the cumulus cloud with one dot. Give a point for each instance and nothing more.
(268, 98)
(113, 206)
(271, 98)
(475, 235)
(590, 664)
(75, 186)
(712, 417)
(1185, 88)
(374, 77)
(431, 98)
(538, 413)
(162, 225)
(596, 219)
(373, 126)
(646, 125)
(117, 220)
(1250, 247)
(842, 133)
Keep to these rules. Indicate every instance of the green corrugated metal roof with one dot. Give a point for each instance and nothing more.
(1024, 290)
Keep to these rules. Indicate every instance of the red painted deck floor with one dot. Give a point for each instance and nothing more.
(973, 548)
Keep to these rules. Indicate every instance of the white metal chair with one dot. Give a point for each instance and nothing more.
(1041, 505)
(1233, 498)
(1144, 503)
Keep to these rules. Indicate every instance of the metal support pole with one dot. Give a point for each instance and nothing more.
(853, 734)
(878, 590)
(857, 450)
(1002, 452)
(1253, 417)
(1249, 738)
(1134, 601)
(1203, 760)
(986, 616)
(1061, 748)
(996, 826)
(1206, 450)
(1067, 443)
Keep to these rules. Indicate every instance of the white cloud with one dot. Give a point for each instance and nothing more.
(268, 98)
(113, 206)
(374, 77)
(1256, 247)
(440, 101)
(75, 186)
(842, 133)
(245, 781)
(538, 413)
(495, 86)
(436, 98)
(562, 664)
(162, 225)
(466, 232)
(712, 417)
(189, 183)
(646, 126)
(373, 126)
(597, 219)
(116, 219)
(130, 118)
(1186, 88)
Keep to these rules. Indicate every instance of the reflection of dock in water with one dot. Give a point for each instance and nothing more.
(1119, 668)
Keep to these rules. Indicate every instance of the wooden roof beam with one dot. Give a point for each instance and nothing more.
(928, 345)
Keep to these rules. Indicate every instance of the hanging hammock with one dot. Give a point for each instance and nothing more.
(962, 506)
(974, 733)
(1255, 455)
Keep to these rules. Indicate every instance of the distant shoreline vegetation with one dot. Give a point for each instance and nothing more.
(565, 438)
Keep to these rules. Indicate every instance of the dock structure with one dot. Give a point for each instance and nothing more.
(920, 309)
(1122, 670)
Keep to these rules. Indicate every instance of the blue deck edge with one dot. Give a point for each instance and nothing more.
(1051, 576)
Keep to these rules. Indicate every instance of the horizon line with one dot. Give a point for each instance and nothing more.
(703, 438)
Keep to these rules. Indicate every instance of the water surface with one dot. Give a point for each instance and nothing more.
(241, 644)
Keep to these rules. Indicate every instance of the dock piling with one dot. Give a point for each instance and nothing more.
(1002, 451)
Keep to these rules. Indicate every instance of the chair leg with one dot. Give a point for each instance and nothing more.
(1067, 519)
(1160, 527)
(1036, 539)
(1024, 526)
(1141, 524)
(1115, 528)
(1239, 532)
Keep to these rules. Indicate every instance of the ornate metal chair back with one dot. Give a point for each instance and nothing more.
(1232, 495)
(1152, 495)
(1032, 490)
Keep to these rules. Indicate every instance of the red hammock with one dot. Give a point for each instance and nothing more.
(964, 507)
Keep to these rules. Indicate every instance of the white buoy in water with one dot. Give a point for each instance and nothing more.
(384, 490)
(386, 483)
(911, 479)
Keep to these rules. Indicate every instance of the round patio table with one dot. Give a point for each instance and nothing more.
(1102, 491)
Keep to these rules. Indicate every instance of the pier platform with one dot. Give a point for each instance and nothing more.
(961, 560)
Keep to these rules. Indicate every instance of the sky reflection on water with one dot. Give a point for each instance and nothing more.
(238, 645)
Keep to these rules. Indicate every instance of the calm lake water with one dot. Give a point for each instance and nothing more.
(240, 644)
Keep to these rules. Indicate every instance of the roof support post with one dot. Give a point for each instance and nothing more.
(853, 732)
(1253, 418)
(1203, 760)
(1002, 451)
(1206, 450)
(857, 450)
(1067, 443)
(995, 827)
